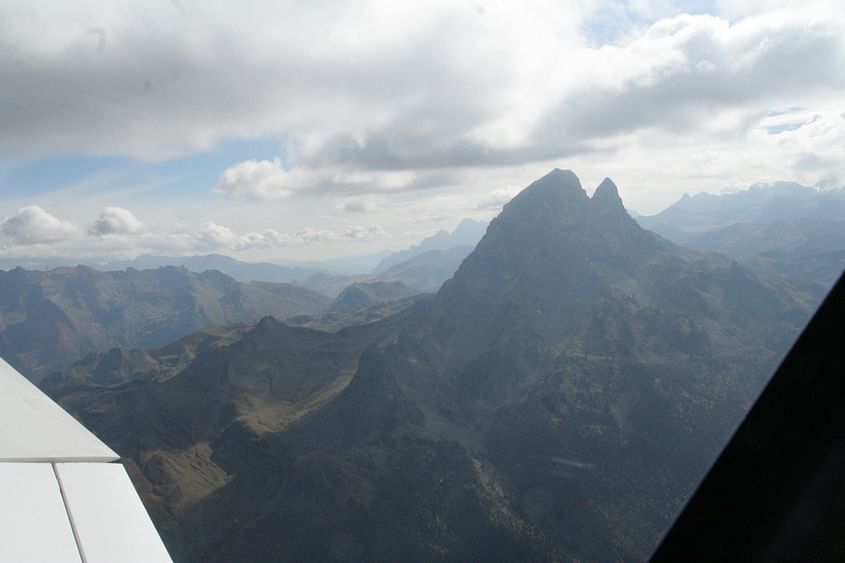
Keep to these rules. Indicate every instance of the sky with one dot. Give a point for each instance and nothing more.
(302, 131)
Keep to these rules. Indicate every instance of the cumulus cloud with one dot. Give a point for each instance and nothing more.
(373, 232)
(260, 180)
(214, 236)
(33, 225)
(115, 221)
(117, 233)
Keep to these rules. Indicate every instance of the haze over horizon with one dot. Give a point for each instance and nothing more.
(276, 132)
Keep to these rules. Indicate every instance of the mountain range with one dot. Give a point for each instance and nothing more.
(342, 271)
(361, 303)
(364, 295)
(557, 399)
(50, 319)
(466, 234)
(237, 269)
(423, 267)
(424, 273)
(793, 231)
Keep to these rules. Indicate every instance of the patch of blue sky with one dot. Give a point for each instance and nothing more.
(35, 176)
(775, 129)
(785, 111)
(615, 22)
(181, 177)
(787, 119)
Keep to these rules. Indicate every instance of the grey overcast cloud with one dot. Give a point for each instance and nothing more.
(308, 130)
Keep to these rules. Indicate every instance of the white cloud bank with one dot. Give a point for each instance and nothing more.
(468, 102)
(212, 236)
(524, 91)
(380, 85)
(117, 232)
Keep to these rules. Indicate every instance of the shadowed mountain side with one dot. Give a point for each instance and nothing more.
(191, 433)
(653, 341)
(809, 274)
(774, 492)
(361, 303)
(120, 365)
(50, 319)
(360, 296)
(332, 322)
(558, 399)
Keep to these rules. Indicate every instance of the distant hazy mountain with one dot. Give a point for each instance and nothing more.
(241, 271)
(427, 271)
(50, 319)
(444, 252)
(467, 233)
(423, 267)
(422, 273)
(783, 228)
(42, 263)
(761, 204)
(558, 399)
(355, 265)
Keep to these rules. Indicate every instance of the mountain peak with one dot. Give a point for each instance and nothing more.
(549, 237)
(606, 189)
(560, 178)
(557, 189)
(607, 195)
(545, 205)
